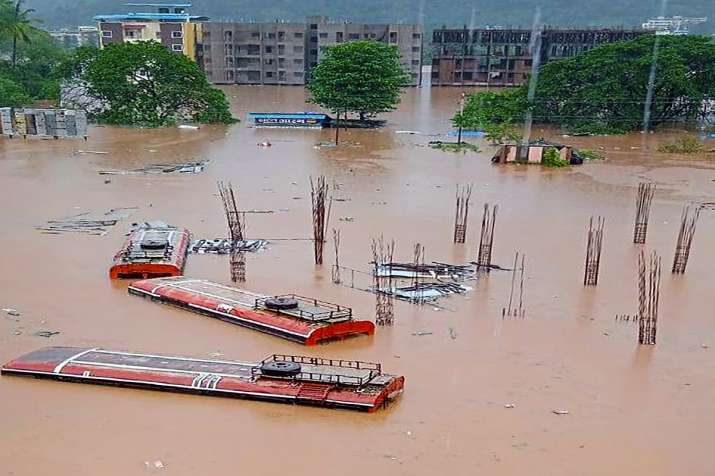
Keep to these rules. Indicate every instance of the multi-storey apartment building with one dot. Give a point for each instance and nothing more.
(504, 57)
(253, 53)
(80, 36)
(284, 53)
(168, 23)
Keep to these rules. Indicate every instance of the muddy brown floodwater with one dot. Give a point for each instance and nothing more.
(632, 410)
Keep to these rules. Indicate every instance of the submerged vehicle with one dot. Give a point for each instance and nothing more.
(282, 378)
(305, 320)
(153, 249)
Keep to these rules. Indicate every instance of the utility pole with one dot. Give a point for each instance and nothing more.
(337, 127)
(461, 118)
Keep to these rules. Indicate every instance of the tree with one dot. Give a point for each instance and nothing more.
(362, 77)
(15, 22)
(12, 94)
(605, 89)
(486, 108)
(145, 84)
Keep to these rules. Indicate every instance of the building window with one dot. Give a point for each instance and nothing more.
(255, 34)
(298, 34)
(415, 62)
(298, 61)
(323, 35)
(281, 35)
(254, 49)
(271, 36)
(297, 49)
(281, 75)
(354, 36)
(313, 52)
(415, 49)
(106, 33)
(281, 49)
(130, 34)
(269, 49)
(177, 34)
(416, 36)
(339, 36)
(313, 26)
(268, 61)
(298, 74)
(177, 47)
(269, 74)
(393, 37)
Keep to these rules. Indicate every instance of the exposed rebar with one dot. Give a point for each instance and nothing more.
(336, 265)
(649, 297)
(688, 221)
(593, 251)
(319, 194)
(644, 198)
(382, 256)
(464, 195)
(236, 228)
(486, 239)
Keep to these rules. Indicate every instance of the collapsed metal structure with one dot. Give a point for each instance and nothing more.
(382, 255)
(464, 195)
(486, 239)
(644, 199)
(236, 226)
(648, 297)
(319, 195)
(688, 221)
(593, 251)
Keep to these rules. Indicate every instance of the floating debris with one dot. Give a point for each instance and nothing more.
(509, 405)
(181, 168)
(223, 246)
(560, 412)
(435, 270)
(422, 333)
(47, 334)
(158, 464)
(84, 223)
(425, 292)
(12, 312)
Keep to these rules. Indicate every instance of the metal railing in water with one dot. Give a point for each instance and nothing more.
(373, 369)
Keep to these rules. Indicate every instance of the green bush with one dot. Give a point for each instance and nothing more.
(552, 159)
(454, 147)
(683, 145)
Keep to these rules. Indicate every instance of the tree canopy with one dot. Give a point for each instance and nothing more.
(362, 77)
(145, 84)
(605, 89)
(27, 58)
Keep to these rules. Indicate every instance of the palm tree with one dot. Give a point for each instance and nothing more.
(16, 23)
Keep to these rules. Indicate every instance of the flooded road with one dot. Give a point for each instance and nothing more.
(632, 410)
